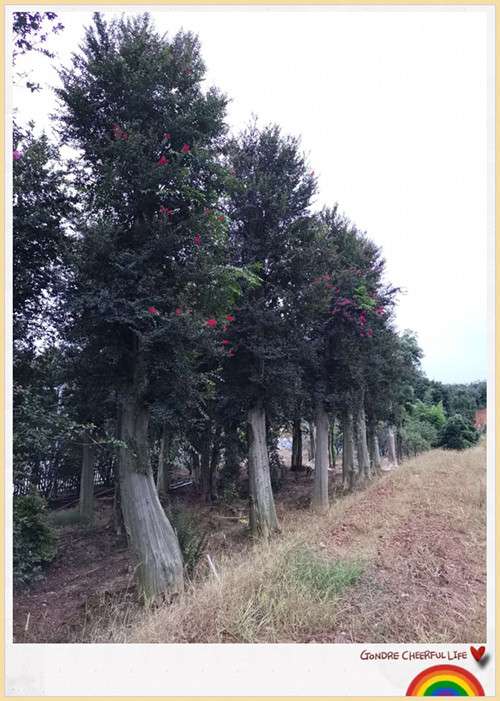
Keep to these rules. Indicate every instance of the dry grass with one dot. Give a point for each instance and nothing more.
(402, 560)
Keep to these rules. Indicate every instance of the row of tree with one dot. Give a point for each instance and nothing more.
(176, 297)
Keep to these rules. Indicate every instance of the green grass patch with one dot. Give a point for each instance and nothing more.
(322, 576)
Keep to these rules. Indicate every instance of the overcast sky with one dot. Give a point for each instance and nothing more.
(392, 109)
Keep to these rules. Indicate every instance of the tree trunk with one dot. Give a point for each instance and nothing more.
(349, 472)
(331, 446)
(312, 447)
(163, 477)
(87, 482)
(214, 463)
(263, 520)
(391, 447)
(361, 443)
(373, 448)
(117, 510)
(297, 465)
(159, 570)
(232, 457)
(205, 466)
(399, 447)
(195, 466)
(320, 487)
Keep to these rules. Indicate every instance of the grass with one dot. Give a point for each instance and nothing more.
(320, 576)
(401, 560)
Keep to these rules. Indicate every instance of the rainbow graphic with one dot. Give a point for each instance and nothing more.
(445, 680)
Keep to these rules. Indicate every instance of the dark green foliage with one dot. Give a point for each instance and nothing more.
(462, 399)
(34, 540)
(41, 210)
(458, 433)
(150, 264)
(271, 230)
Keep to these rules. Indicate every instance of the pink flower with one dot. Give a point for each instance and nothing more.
(118, 132)
(197, 240)
(379, 310)
(186, 148)
(369, 332)
(344, 302)
(230, 317)
(153, 310)
(166, 211)
(212, 323)
(221, 217)
(225, 342)
(16, 155)
(178, 311)
(167, 136)
(163, 161)
(230, 353)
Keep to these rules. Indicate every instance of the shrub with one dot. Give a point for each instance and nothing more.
(34, 539)
(191, 538)
(458, 433)
(430, 413)
(418, 436)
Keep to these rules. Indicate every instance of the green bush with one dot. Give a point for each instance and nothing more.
(418, 436)
(191, 538)
(458, 433)
(34, 539)
(430, 413)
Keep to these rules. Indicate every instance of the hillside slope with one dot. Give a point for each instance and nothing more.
(402, 560)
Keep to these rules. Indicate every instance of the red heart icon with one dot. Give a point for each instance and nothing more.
(477, 652)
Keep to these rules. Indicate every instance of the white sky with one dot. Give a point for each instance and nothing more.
(392, 107)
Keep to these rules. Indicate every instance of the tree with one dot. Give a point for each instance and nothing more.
(150, 261)
(458, 433)
(42, 211)
(269, 205)
(348, 308)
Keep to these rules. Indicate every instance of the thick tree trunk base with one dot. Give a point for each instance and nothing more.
(319, 501)
(362, 445)
(263, 519)
(159, 569)
(349, 472)
(391, 441)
